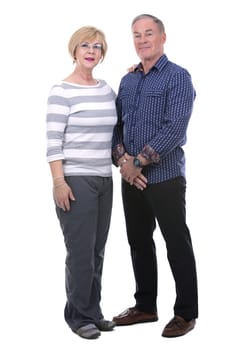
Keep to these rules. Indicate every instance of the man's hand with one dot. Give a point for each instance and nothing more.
(140, 182)
(128, 171)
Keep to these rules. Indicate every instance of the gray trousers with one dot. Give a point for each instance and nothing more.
(85, 228)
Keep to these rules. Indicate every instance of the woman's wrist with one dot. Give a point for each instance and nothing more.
(59, 184)
(58, 181)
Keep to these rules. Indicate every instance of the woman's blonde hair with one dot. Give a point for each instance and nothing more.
(85, 34)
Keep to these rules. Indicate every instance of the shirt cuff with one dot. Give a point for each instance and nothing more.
(118, 152)
(150, 154)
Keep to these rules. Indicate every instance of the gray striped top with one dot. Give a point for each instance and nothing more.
(80, 122)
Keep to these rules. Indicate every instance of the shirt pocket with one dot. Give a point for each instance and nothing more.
(153, 101)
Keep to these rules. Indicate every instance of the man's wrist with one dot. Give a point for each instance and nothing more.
(137, 162)
(141, 161)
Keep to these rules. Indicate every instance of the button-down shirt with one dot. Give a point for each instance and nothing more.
(153, 114)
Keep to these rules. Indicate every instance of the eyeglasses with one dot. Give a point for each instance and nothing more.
(87, 46)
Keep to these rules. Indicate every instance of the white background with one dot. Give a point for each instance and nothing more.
(34, 56)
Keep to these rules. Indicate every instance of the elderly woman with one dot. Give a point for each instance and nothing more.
(81, 115)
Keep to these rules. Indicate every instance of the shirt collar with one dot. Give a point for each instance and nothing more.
(162, 61)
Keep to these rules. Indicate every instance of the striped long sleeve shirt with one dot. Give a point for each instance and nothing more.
(153, 114)
(80, 122)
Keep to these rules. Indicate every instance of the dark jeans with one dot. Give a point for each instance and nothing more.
(163, 203)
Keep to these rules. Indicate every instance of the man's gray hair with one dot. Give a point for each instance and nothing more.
(155, 19)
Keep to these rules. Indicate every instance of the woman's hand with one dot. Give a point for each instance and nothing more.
(62, 194)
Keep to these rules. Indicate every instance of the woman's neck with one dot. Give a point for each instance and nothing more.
(81, 77)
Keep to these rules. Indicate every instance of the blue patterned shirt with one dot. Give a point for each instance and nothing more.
(153, 114)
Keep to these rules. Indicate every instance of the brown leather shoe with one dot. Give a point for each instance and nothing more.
(132, 316)
(177, 327)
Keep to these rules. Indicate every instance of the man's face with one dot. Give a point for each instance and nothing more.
(148, 39)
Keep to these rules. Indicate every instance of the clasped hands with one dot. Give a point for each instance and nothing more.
(130, 173)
